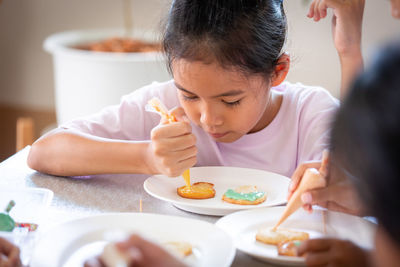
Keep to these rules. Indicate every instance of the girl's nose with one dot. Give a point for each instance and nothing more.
(210, 116)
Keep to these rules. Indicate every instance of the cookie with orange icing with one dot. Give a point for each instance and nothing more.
(199, 190)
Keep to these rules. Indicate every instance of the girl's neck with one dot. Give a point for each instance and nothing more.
(273, 107)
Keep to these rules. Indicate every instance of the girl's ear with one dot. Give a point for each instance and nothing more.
(281, 70)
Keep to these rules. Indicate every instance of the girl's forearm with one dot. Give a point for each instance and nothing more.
(66, 153)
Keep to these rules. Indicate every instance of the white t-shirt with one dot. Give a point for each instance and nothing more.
(298, 133)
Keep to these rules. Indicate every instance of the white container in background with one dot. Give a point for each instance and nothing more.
(87, 81)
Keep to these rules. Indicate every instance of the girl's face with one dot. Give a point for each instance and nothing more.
(396, 8)
(224, 103)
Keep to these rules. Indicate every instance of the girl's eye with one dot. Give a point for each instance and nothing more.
(189, 98)
(234, 103)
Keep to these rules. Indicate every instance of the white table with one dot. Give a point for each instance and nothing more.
(75, 198)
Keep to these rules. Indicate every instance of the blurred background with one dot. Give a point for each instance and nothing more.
(27, 84)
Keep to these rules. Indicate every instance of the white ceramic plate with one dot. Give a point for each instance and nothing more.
(242, 227)
(223, 178)
(72, 243)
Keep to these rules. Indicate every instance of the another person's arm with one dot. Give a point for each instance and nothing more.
(333, 253)
(141, 252)
(9, 254)
(346, 29)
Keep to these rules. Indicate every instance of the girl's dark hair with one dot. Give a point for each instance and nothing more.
(247, 35)
(366, 138)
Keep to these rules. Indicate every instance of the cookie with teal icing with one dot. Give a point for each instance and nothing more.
(244, 195)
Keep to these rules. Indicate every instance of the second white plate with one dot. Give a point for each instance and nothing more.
(223, 178)
(242, 227)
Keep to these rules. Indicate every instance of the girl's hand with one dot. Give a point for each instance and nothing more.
(173, 146)
(333, 252)
(346, 22)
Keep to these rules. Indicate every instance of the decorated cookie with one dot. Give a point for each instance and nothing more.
(289, 248)
(200, 190)
(244, 195)
(275, 237)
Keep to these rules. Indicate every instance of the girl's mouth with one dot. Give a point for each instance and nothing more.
(217, 135)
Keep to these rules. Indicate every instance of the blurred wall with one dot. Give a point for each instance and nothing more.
(26, 70)
(26, 76)
(314, 58)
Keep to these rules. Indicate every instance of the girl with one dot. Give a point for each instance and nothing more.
(227, 93)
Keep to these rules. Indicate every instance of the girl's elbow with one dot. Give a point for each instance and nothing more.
(35, 159)
(39, 159)
(42, 156)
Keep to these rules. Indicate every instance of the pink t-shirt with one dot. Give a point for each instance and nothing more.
(298, 133)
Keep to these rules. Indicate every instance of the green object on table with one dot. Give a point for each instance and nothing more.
(7, 223)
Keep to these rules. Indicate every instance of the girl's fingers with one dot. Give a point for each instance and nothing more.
(179, 114)
(175, 163)
(176, 144)
(164, 120)
(181, 166)
(175, 148)
(187, 163)
(186, 154)
(171, 130)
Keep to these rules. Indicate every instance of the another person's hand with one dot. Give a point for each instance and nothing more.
(298, 174)
(321, 165)
(338, 195)
(395, 8)
(142, 253)
(173, 146)
(333, 253)
(346, 31)
(346, 22)
(9, 254)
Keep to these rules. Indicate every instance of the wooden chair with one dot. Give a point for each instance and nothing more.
(25, 132)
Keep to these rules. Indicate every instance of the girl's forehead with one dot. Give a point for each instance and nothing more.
(195, 75)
